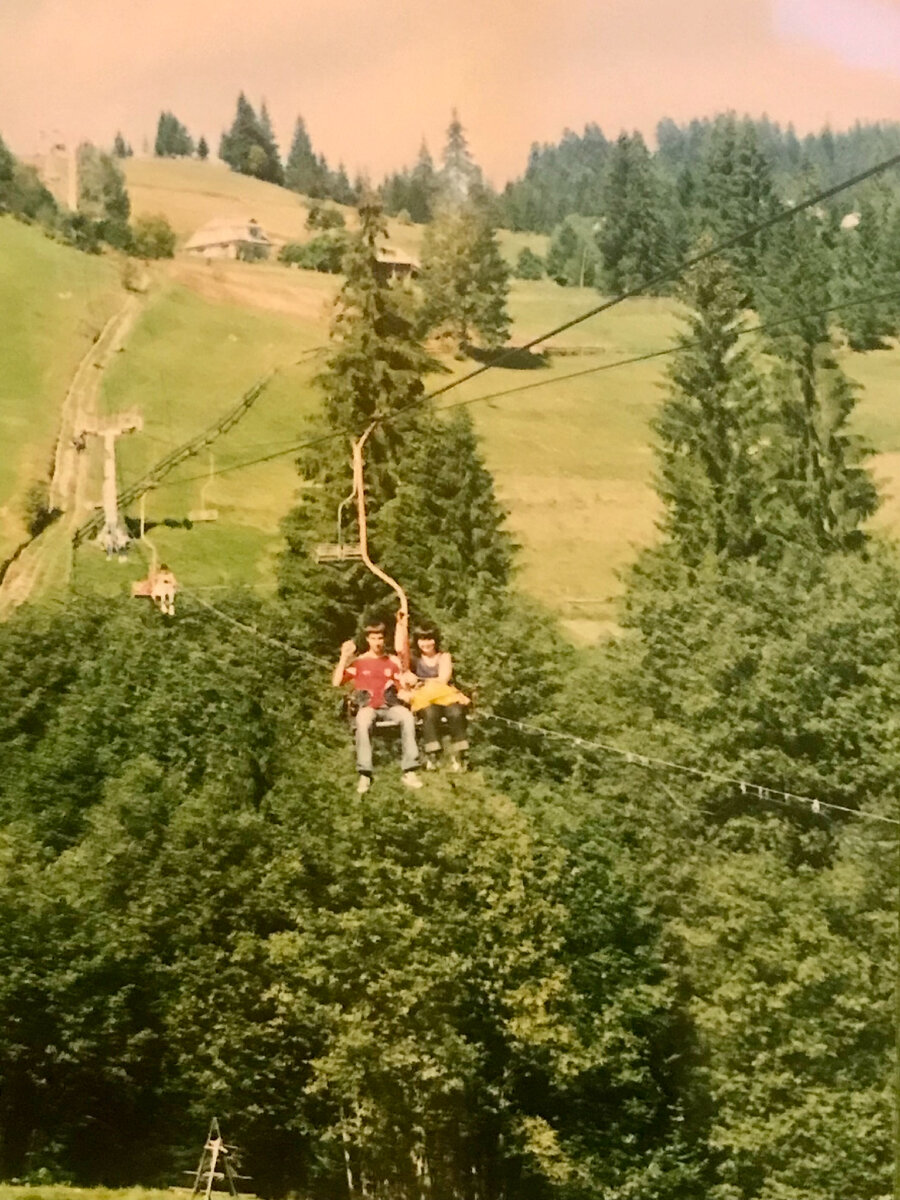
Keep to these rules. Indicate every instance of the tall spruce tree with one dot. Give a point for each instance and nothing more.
(634, 239)
(459, 172)
(734, 191)
(432, 512)
(826, 492)
(248, 148)
(712, 426)
(303, 172)
(465, 279)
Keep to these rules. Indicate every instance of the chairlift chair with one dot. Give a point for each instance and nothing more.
(339, 551)
(204, 512)
(160, 585)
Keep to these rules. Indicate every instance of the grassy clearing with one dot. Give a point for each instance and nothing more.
(190, 193)
(9, 1191)
(572, 459)
(54, 302)
(188, 361)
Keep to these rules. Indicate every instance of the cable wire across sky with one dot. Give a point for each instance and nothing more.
(745, 787)
(668, 276)
(763, 328)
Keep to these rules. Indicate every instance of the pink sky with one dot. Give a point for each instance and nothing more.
(372, 77)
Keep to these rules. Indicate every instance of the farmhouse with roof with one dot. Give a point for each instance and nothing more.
(394, 264)
(231, 237)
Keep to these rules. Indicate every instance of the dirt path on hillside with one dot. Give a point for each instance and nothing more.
(47, 558)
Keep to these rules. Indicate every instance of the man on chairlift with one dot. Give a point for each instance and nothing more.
(376, 678)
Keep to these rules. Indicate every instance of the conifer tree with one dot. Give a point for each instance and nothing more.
(735, 191)
(172, 138)
(248, 149)
(423, 187)
(303, 172)
(265, 122)
(464, 277)
(863, 267)
(713, 472)
(573, 259)
(633, 239)
(203, 149)
(825, 491)
(341, 189)
(459, 172)
(102, 195)
(432, 514)
(446, 502)
(376, 368)
(529, 265)
(795, 279)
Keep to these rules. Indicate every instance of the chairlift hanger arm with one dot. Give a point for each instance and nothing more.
(359, 486)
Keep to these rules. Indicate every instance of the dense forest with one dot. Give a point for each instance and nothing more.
(646, 947)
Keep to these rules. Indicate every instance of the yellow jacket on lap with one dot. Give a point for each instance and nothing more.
(433, 691)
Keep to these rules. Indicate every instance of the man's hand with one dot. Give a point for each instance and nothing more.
(348, 651)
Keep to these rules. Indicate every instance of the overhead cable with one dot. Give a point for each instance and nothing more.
(765, 327)
(745, 787)
(685, 265)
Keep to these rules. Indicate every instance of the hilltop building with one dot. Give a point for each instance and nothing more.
(394, 264)
(231, 237)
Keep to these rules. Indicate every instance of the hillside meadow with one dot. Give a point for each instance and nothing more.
(54, 302)
(572, 458)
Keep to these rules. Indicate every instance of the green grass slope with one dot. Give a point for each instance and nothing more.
(54, 301)
(189, 193)
(572, 458)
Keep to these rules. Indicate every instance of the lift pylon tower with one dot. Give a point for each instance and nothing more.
(215, 1164)
(114, 536)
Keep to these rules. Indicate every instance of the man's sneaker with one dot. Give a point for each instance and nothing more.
(458, 764)
(363, 784)
(411, 780)
(431, 763)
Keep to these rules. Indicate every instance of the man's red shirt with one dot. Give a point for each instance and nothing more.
(372, 675)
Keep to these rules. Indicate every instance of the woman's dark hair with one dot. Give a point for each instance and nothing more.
(428, 631)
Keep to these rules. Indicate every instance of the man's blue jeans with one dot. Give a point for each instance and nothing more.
(395, 715)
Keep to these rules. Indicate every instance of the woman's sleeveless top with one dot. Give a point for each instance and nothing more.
(422, 670)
